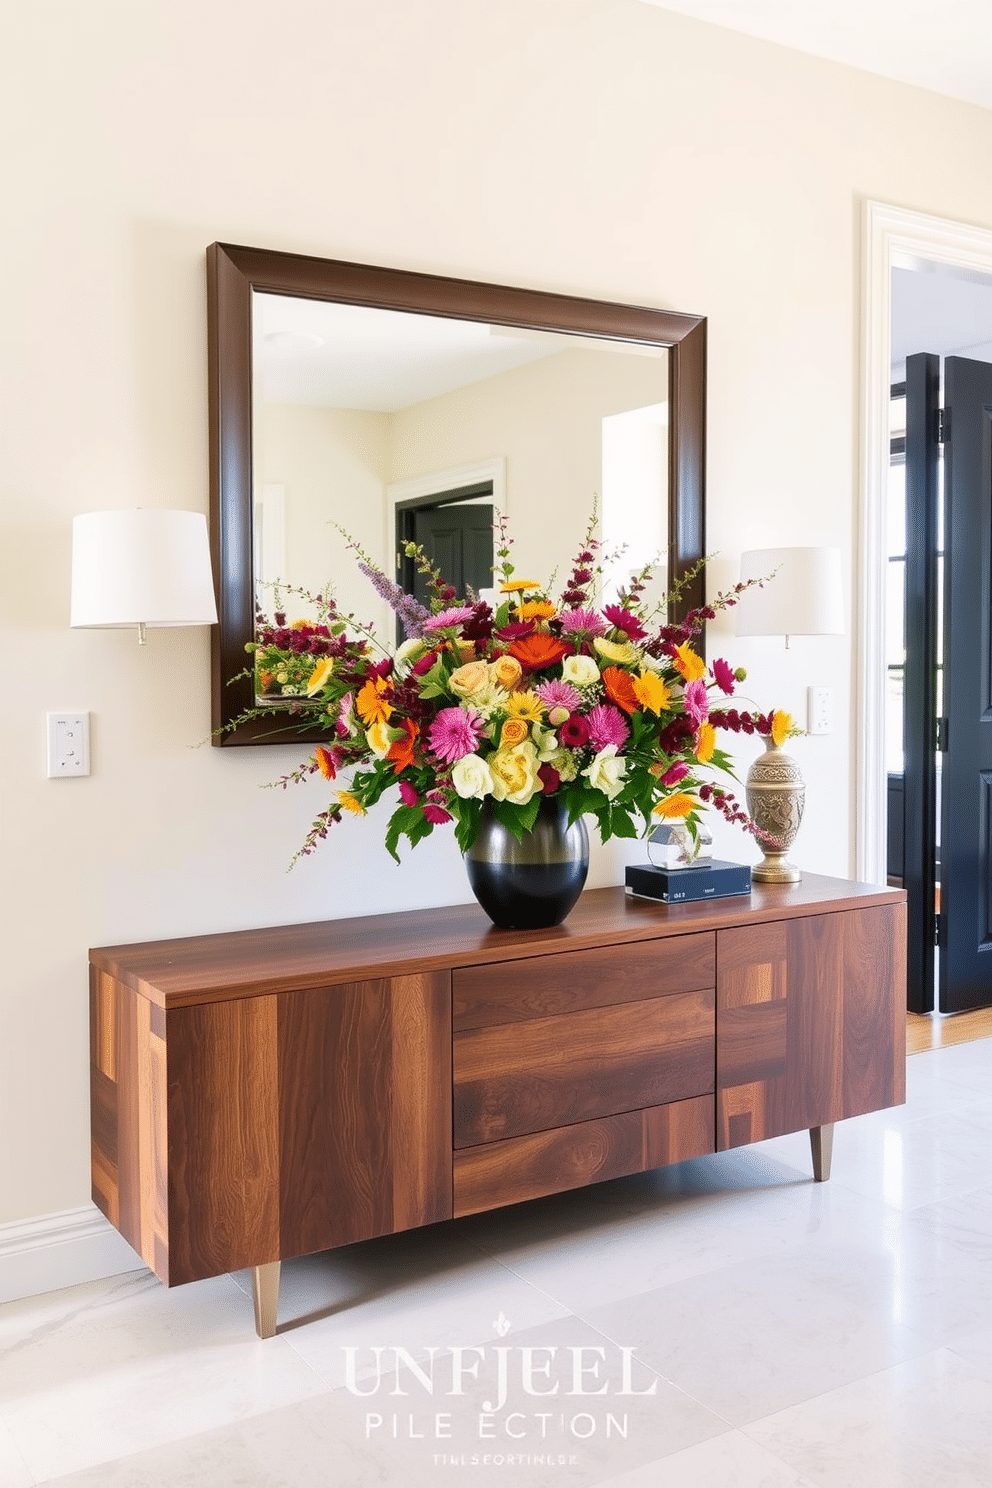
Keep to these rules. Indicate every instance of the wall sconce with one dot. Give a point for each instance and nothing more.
(804, 597)
(141, 566)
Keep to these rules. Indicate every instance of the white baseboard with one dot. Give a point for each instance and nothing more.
(61, 1250)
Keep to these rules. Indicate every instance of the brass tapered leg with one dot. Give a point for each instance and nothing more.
(821, 1142)
(265, 1295)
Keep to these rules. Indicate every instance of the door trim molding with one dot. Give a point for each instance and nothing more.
(894, 237)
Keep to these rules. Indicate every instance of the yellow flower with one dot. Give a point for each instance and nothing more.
(621, 651)
(706, 743)
(650, 691)
(781, 726)
(514, 586)
(688, 663)
(506, 672)
(536, 609)
(673, 806)
(319, 675)
(514, 773)
(471, 677)
(351, 803)
(525, 705)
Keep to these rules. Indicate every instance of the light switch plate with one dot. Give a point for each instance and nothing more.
(68, 744)
(819, 710)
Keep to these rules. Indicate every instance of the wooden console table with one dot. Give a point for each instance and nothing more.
(272, 1093)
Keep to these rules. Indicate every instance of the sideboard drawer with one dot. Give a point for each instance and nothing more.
(567, 1157)
(540, 986)
(546, 1072)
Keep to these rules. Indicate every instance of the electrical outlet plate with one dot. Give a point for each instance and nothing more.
(68, 744)
(819, 710)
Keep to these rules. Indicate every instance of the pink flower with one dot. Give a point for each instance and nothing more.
(448, 618)
(343, 728)
(558, 695)
(586, 621)
(696, 701)
(574, 732)
(408, 795)
(455, 733)
(623, 620)
(675, 773)
(724, 674)
(436, 815)
(606, 726)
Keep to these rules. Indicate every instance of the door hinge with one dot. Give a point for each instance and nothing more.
(940, 743)
(943, 425)
(938, 929)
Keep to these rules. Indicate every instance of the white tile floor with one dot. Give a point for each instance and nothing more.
(778, 1334)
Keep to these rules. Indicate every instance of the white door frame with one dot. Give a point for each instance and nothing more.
(900, 239)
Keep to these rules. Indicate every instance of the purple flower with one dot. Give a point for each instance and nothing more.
(412, 614)
(586, 622)
(606, 726)
(448, 618)
(454, 733)
(724, 675)
(696, 701)
(558, 695)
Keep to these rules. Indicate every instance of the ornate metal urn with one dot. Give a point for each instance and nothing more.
(776, 795)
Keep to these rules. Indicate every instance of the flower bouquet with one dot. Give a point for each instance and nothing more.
(610, 711)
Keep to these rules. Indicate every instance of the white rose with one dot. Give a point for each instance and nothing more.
(581, 671)
(606, 772)
(546, 742)
(471, 776)
(410, 651)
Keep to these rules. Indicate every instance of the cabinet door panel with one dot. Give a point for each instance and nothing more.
(810, 1021)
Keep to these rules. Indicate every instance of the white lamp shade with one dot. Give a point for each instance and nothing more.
(805, 596)
(141, 567)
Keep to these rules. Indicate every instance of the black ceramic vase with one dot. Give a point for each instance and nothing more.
(531, 884)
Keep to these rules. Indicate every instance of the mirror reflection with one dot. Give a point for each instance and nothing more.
(391, 425)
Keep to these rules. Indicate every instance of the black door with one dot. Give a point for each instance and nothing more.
(455, 532)
(965, 959)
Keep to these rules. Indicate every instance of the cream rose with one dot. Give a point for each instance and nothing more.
(379, 737)
(506, 671)
(615, 650)
(581, 671)
(471, 776)
(469, 679)
(410, 651)
(514, 773)
(606, 772)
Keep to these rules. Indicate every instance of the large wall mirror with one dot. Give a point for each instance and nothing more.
(388, 403)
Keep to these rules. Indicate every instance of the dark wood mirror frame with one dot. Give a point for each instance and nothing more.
(234, 272)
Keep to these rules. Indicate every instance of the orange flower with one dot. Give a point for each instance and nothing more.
(674, 806)
(536, 651)
(517, 586)
(351, 803)
(620, 689)
(371, 703)
(325, 762)
(401, 750)
(514, 731)
(688, 663)
(706, 742)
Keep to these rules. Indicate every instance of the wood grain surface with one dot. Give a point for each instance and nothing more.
(590, 1151)
(284, 958)
(525, 1077)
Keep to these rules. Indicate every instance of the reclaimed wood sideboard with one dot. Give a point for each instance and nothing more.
(271, 1093)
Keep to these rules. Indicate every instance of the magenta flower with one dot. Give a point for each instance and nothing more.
(408, 795)
(675, 773)
(606, 726)
(454, 733)
(586, 622)
(696, 701)
(624, 620)
(549, 778)
(559, 695)
(724, 675)
(436, 815)
(574, 732)
(448, 618)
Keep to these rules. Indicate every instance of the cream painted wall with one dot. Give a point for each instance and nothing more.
(597, 147)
